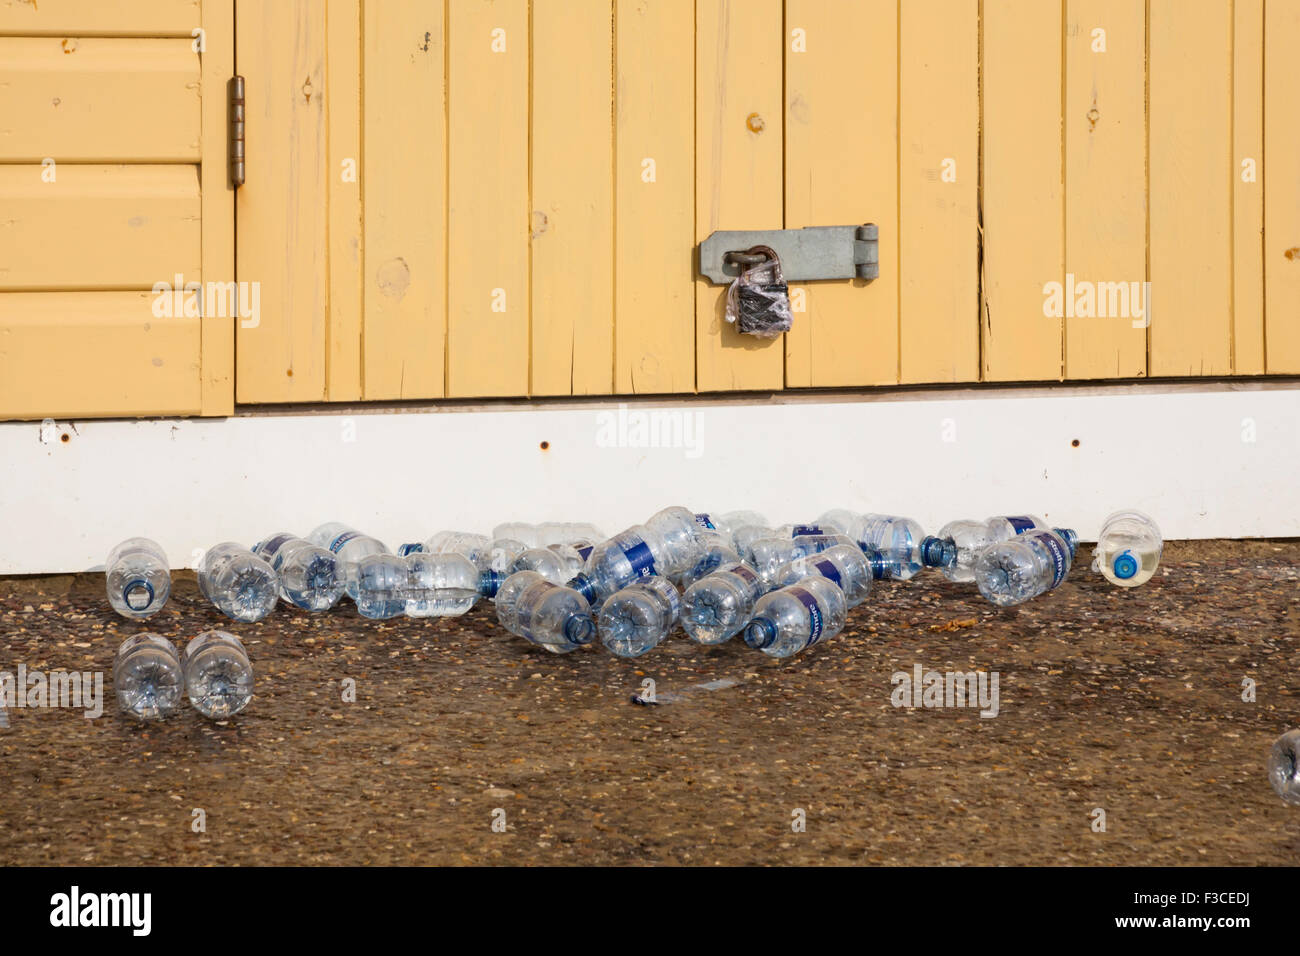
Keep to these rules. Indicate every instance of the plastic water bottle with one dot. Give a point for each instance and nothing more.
(954, 549)
(635, 553)
(718, 606)
(638, 617)
(443, 585)
(553, 616)
(838, 520)
(768, 555)
(382, 585)
(897, 539)
(1013, 571)
(310, 576)
(715, 550)
(743, 538)
(1128, 549)
(476, 547)
(507, 598)
(138, 578)
(1284, 767)
(240, 584)
(350, 545)
(528, 534)
(545, 562)
(787, 621)
(728, 523)
(218, 675)
(574, 561)
(678, 528)
(844, 565)
(147, 677)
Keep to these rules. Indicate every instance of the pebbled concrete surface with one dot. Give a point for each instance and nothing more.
(1130, 701)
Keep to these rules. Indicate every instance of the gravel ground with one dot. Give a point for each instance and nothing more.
(1129, 701)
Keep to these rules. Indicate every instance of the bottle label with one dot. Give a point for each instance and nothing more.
(1021, 523)
(408, 549)
(705, 522)
(801, 529)
(664, 588)
(272, 545)
(746, 575)
(641, 558)
(1060, 556)
(828, 570)
(337, 544)
(815, 623)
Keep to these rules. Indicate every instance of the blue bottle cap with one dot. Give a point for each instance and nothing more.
(1125, 566)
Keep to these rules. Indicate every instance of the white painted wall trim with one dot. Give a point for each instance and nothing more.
(1214, 460)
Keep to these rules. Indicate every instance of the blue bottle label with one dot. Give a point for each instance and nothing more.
(799, 529)
(408, 549)
(828, 570)
(705, 522)
(1060, 556)
(815, 623)
(746, 575)
(272, 545)
(640, 557)
(1020, 523)
(664, 588)
(343, 539)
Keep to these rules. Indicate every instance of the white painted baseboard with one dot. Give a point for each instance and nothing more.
(1215, 460)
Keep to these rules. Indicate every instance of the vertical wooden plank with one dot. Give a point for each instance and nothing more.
(1282, 191)
(1190, 75)
(217, 204)
(841, 167)
(573, 198)
(1023, 212)
(403, 185)
(488, 304)
(343, 82)
(938, 190)
(1105, 181)
(281, 212)
(1248, 187)
(738, 172)
(654, 149)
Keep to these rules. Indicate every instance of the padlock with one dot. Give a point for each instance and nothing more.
(758, 301)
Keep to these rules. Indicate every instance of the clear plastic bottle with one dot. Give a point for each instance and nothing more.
(1284, 767)
(147, 677)
(715, 550)
(442, 585)
(787, 621)
(677, 527)
(838, 520)
(897, 539)
(635, 553)
(476, 547)
(639, 616)
(528, 534)
(1013, 571)
(844, 565)
(1128, 549)
(382, 586)
(350, 545)
(718, 606)
(729, 522)
(507, 598)
(768, 555)
(545, 562)
(138, 578)
(310, 576)
(954, 549)
(574, 562)
(554, 617)
(240, 584)
(218, 675)
(743, 538)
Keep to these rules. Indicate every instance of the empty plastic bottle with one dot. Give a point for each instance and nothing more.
(545, 562)
(743, 538)
(678, 528)
(241, 585)
(382, 582)
(476, 547)
(553, 616)
(719, 605)
(310, 576)
(574, 562)
(728, 523)
(1128, 549)
(635, 553)
(507, 597)
(844, 565)
(350, 545)
(1013, 571)
(639, 616)
(528, 534)
(138, 578)
(715, 550)
(787, 621)
(897, 539)
(147, 677)
(443, 585)
(838, 520)
(768, 555)
(218, 675)
(1284, 767)
(954, 548)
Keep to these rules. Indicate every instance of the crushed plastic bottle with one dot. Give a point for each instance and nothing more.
(382, 586)
(719, 605)
(728, 523)
(954, 549)
(444, 585)
(350, 545)
(1284, 767)
(218, 674)
(138, 578)
(838, 520)
(794, 618)
(239, 584)
(715, 550)
(677, 527)
(1128, 549)
(639, 616)
(1024, 567)
(310, 576)
(551, 616)
(635, 553)
(147, 677)
(844, 565)
(549, 564)
(507, 597)
(897, 539)
(768, 555)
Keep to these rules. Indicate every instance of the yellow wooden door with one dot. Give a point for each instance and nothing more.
(116, 214)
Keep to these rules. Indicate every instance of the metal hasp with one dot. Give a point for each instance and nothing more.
(237, 132)
(814, 252)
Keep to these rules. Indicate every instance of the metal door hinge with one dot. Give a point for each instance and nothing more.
(814, 252)
(237, 131)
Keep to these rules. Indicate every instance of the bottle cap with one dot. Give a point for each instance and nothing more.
(1125, 566)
